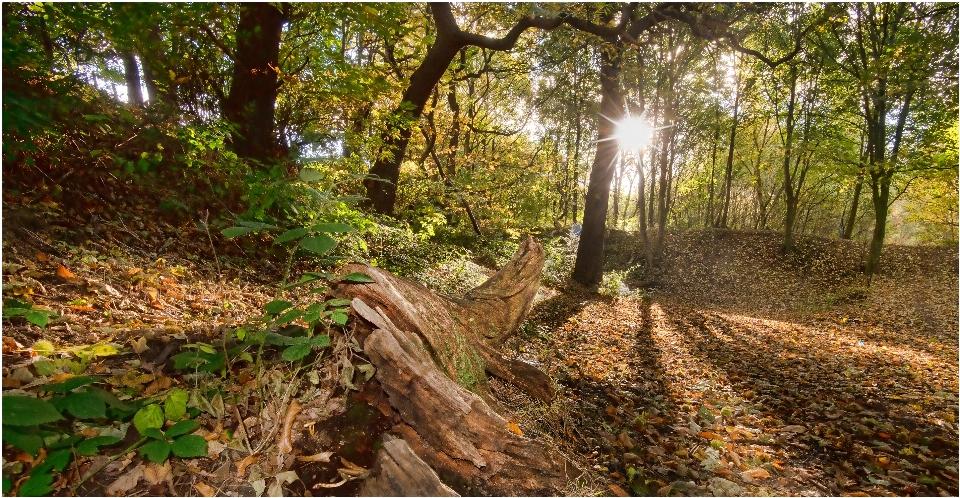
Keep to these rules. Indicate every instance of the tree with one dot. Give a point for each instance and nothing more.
(253, 91)
(450, 39)
(901, 57)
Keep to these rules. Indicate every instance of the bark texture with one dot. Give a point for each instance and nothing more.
(253, 91)
(432, 354)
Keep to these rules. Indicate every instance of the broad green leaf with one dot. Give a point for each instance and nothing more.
(149, 417)
(182, 427)
(236, 231)
(338, 302)
(304, 280)
(154, 434)
(91, 446)
(294, 353)
(45, 368)
(256, 225)
(175, 406)
(37, 485)
(21, 410)
(66, 442)
(276, 307)
(333, 228)
(85, 405)
(190, 446)
(109, 398)
(320, 341)
(288, 316)
(156, 451)
(318, 244)
(291, 234)
(339, 317)
(40, 318)
(25, 438)
(7, 485)
(70, 384)
(357, 277)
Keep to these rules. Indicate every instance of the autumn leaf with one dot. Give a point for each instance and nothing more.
(65, 273)
(514, 428)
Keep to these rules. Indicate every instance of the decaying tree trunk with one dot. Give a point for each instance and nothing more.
(432, 354)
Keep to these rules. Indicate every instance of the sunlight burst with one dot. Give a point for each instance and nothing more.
(633, 133)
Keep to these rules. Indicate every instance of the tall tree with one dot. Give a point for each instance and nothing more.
(253, 91)
(901, 57)
(450, 39)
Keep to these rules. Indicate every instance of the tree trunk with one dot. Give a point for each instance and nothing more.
(131, 74)
(852, 216)
(728, 175)
(588, 268)
(432, 354)
(253, 91)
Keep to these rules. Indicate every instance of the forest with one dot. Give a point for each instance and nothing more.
(395, 249)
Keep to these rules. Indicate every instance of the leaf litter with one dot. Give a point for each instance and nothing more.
(734, 376)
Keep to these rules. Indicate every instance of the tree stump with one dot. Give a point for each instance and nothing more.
(432, 354)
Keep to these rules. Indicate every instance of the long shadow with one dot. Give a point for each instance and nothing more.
(854, 420)
(616, 384)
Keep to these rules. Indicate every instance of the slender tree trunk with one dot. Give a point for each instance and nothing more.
(618, 178)
(131, 74)
(789, 190)
(641, 216)
(588, 268)
(728, 175)
(713, 169)
(852, 215)
(252, 100)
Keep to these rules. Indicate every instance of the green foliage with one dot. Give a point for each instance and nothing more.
(15, 307)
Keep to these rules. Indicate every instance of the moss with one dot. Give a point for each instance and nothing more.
(467, 363)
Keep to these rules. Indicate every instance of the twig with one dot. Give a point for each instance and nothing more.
(206, 227)
(243, 430)
(112, 459)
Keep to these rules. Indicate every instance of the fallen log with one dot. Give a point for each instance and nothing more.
(432, 354)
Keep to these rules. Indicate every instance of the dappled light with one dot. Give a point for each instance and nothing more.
(480, 248)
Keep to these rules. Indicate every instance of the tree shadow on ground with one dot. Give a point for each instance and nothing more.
(857, 402)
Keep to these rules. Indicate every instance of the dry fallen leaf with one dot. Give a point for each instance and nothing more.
(246, 462)
(205, 489)
(155, 473)
(139, 345)
(126, 482)
(323, 456)
(159, 384)
(754, 474)
(286, 444)
(617, 490)
(514, 428)
(65, 273)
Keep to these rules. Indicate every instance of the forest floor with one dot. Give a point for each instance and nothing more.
(736, 371)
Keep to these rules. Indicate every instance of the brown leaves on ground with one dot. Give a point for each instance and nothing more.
(695, 394)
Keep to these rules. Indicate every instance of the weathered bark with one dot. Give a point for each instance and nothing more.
(253, 91)
(431, 353)
(398, 471)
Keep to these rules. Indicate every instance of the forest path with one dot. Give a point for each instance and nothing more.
(673, 397)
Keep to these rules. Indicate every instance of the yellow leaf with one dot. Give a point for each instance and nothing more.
(514, 428)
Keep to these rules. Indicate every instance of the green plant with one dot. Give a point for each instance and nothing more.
(34, 423)
(37, 316)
